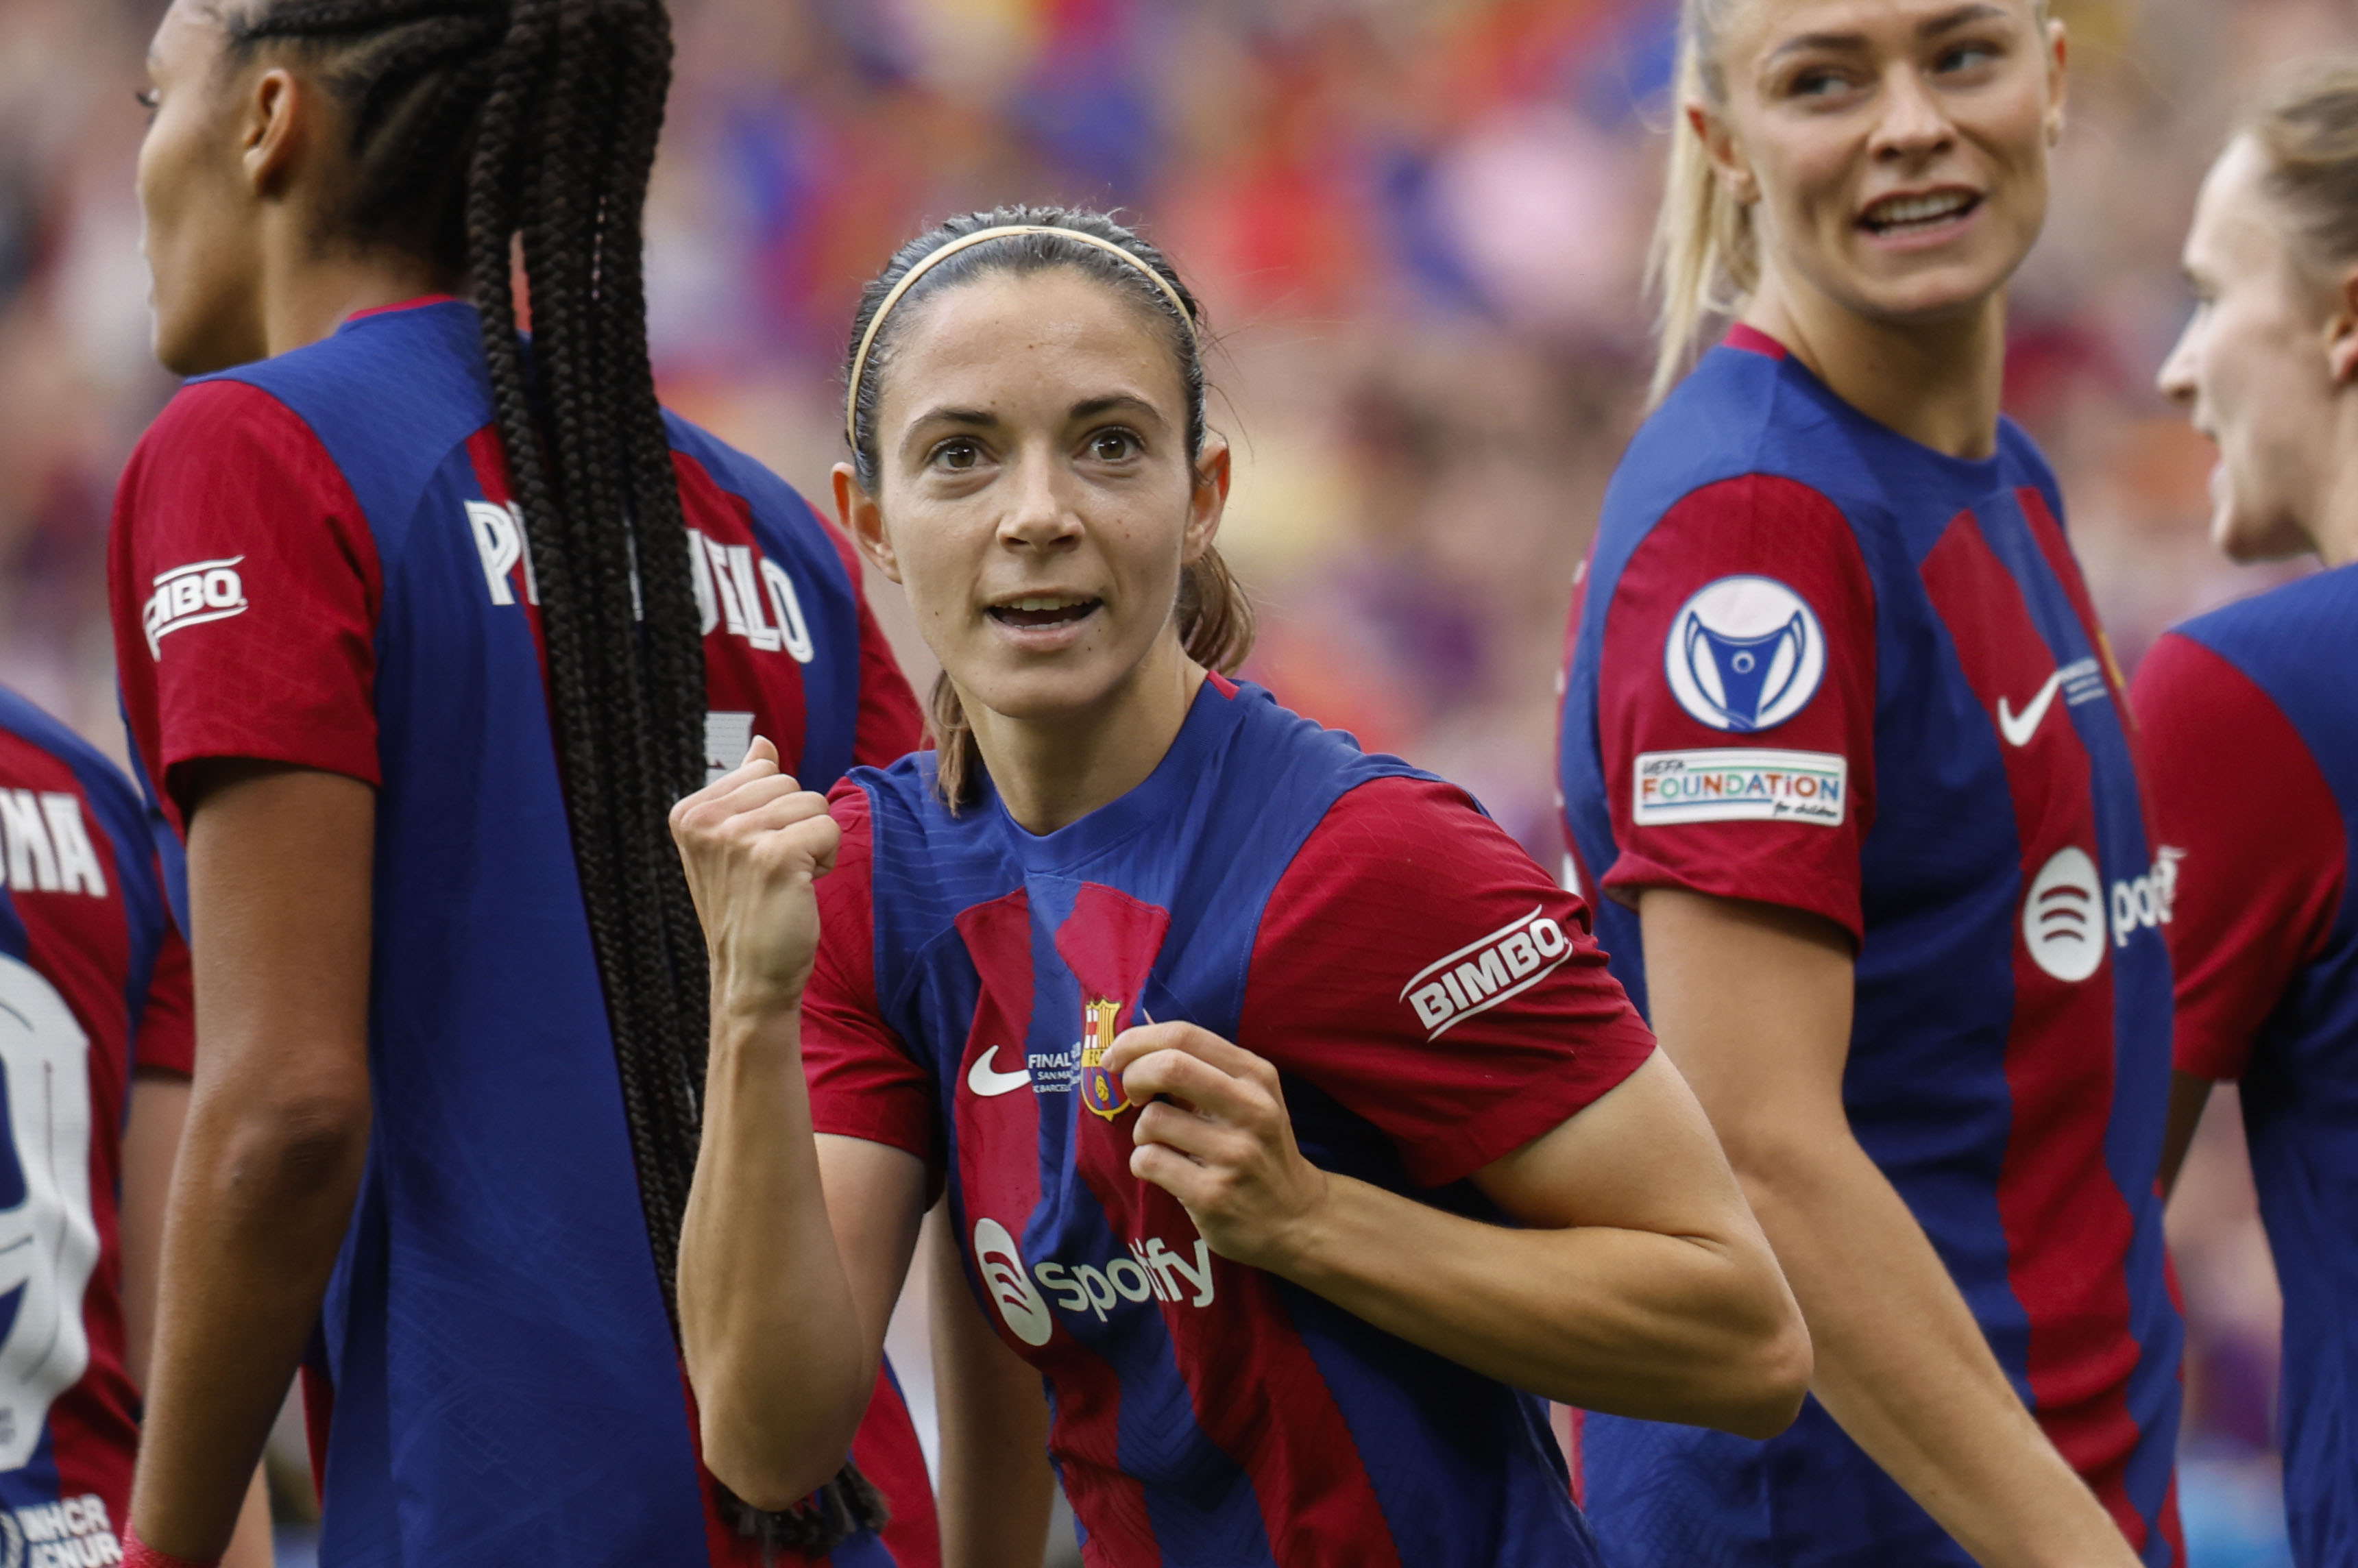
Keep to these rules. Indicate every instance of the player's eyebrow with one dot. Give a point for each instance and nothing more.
(1090, 408)
(1934, 27)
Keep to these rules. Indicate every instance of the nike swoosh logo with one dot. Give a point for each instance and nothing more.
(2018, 728)
(986, 1080)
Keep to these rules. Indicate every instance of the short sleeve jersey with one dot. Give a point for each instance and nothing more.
(1816, 665)
(1431, 1000)
(2250, 731)
(94, 985)
(314, 561)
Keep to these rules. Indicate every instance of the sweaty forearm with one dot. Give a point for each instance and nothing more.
(780, 1362)
(1904, 1368)
(260, 1202)
(1663, 1327)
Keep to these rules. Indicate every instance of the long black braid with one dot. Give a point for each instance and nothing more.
(475, 122)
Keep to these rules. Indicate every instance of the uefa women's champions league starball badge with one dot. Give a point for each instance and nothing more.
(1100, 1090)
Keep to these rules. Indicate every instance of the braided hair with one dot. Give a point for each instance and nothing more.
(473, 123)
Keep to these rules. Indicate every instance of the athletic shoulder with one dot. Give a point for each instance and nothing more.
(2307, 625)
(100, 779)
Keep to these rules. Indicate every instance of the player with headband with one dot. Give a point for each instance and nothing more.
(1232, 1047)
(422, 627)
(1845, 762)
(2251, 745)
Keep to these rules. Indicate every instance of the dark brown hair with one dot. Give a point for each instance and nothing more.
(1215, 617)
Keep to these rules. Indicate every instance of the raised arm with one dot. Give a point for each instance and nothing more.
(794, 1245)
(1754, 1004)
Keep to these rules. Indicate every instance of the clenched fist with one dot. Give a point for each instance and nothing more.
(753, 842)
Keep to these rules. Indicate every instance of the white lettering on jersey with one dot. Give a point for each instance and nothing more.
(731, 582)
(49, 1240)
(190, 596)
(500, 540)
(71, 1533)
(2148, 901)
(1487, 971)
(1001, 1268)
(1739, 783)
(1152, 1271)
(47, 847)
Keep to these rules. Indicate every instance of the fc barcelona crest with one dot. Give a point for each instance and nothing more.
(1100, 1090)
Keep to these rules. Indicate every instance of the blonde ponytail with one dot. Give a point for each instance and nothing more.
(1703, 260)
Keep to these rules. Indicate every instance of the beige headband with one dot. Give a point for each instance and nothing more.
(868, 338)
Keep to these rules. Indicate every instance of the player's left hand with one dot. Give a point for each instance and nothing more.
(1214, 1133)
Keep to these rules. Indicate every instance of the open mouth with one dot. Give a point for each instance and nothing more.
(1050, 611)
(1897, 217)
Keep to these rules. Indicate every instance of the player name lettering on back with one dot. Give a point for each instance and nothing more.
(1739, 783)
(190, 596)
(750, 592)
(48, 848)
(73, 1533)
(1152, 1271)
(1487, 971)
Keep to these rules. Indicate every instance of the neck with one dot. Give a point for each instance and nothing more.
(306, 294)
(1051, 773)
(2333, 529)
(1936, 383)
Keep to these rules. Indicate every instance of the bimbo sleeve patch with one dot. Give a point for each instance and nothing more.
(1740, 783)
(1745, 654)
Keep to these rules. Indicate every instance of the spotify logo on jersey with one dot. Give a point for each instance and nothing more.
(1009, 1283)
(2063, 917)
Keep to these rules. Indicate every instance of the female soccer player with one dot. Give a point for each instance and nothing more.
(1230, 1044)
(421, 630)
(2265, 934)
(95, 1052)
(1845, 750)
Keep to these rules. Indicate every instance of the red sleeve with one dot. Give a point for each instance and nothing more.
(246, 589)
(1735, 701)
(167, 1025)
(889, 726)
(2252, 895)
(863, 1082)
(1414, 964)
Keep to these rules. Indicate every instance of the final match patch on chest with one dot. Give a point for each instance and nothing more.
(1740, 783)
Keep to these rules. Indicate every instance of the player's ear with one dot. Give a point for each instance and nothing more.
(1728, 164)
(861, 517)
(273, 117)
(1210, 502)
(2341, 331)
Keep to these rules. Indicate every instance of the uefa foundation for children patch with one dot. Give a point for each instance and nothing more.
(1740, 783)
(1745, 654)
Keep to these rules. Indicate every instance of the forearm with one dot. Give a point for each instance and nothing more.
(259, 1208)
(997, 1488)
(1904, 1368)
(1665, 1327)
(775, 1350)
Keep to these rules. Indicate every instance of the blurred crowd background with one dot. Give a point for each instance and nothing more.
(1418, 226)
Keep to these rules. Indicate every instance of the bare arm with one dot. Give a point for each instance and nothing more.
(2188, 1097)
(1640, 1285)
(277, 1130)
(793, 1245)
(997, 1488)
(1754, 1003)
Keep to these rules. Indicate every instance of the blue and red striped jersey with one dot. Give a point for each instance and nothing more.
(1817, 664)
(2251, 730)
(314, 562)
(94, 985)
(1431, 1000)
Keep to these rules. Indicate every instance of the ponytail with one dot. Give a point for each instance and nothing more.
(1703, 260)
